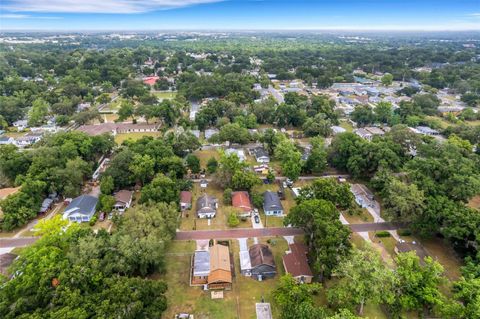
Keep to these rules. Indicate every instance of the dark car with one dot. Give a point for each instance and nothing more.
(257, 219)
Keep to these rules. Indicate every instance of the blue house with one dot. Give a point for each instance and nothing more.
(81, 209)
(271, 204)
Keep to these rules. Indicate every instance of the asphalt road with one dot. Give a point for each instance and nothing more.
(229, 233)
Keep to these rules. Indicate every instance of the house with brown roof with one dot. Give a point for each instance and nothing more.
(123, 200)
(295, 263)
(185, 200)
(262, 262)
(220, 276)
(241, 200)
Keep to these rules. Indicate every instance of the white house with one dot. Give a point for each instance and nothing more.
(81, 209)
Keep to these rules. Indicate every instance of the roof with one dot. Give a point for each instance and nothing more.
(259, 152)
(98, 129)
(296, 262)
(260, 254)
(271, 201)
(360, 189)
(206, 203)
(150, 80)
(201, 263)
(185, 197)
(5, 192)
(83, 205)
(219, 264)
(123, 196)
(375, 130)
(46, 205)
(245, 260)
(241, 200)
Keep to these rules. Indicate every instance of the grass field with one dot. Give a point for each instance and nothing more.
(119, 138)
(165, 94)
(475, 202)
(205, 155)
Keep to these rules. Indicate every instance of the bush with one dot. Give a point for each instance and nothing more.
(404, 232)
(227, 196)
(93, 220)
(233, 220)
(382, 233)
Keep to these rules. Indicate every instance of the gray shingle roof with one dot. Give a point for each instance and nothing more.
(84, 204)
(271, 201)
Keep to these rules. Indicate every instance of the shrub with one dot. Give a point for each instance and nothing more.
(404, 232)
(93, 220)
(233, 220)
(382, 233)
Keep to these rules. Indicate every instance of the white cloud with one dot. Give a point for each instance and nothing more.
(13, 16)
(98, 6)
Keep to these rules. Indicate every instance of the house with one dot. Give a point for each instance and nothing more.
(363, 196)
(262, 263)
(260, 154)
(220, 276)
(117, 128)
(5, 140)
(363, 133)
(210, 132)
(271, 204)
(201, 267)
(337, 130)
(240, 153)
(123, 200)
(46, 205)
(28, 139)
(206, 206)
(185, 200)
(241, 200)
(375, 130)
(150, 80)
(263, 310)
(425, 130)
(81, 209)
(295, 263)
(20, 124)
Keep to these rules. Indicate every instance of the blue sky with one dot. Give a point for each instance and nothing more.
(59, 15)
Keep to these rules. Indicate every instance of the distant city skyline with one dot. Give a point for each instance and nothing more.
(406, 15)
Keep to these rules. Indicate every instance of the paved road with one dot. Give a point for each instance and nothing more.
(274, 231)
(17, 242)
(228, 234)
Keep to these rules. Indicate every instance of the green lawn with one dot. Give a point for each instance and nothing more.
(205, 155)
(119, 138)
(346, 125)
(165, 94)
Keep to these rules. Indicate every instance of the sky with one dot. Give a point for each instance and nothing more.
(66, 15)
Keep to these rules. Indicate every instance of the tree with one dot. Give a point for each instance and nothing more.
(417, 283)
(161, 189)
(212, 165)
(317, 125)
(403, 202)
(142, 168)
(126, 110)
(387, 79)
(363, 115)
(227, 196)
(193, 163)
(106, 203)
(362, 278)
(233, 220)
(328, 189)
(107, 185)
(317, 159)
(271, 139)
(290, 159)
(244, 180)
(296, 301)
(383, 112)
(327, 238)
(234, 133)
(38, 112)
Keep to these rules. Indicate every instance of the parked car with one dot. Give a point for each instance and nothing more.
(257, 219)
(289, 182)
